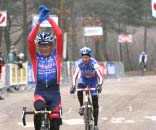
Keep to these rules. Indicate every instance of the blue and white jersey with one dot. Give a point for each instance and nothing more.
(87, 71)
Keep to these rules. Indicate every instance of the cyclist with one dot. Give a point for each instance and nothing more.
(143, 60)
(46, 67)
(89, 74)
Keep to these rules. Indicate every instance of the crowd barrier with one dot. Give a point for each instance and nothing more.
(12, 75)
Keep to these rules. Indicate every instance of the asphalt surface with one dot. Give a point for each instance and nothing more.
(127, 103)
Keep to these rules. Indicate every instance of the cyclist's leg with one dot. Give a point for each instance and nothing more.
(80, 98)
(39, 104)
(54, 104)
(80, 93)
(95, 109)
(55, 124)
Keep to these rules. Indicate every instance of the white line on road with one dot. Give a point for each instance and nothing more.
(150, 117)
(119, 120)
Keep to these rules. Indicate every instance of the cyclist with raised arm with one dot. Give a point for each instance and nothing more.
(88, 71)
(46, 67)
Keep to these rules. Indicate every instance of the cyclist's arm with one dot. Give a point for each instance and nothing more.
(75, 76)
(31, 41)
(59, 40)
(99, 74)
(32, 46)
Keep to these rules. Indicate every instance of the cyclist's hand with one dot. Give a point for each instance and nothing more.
(44, 13)
(99, 88)
(72, 90)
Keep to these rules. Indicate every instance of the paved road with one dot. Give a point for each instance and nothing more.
(125, 104)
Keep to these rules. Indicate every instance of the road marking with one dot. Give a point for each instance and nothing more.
(130, 108)
(119, 120)
(29, 124)
(74, 121)
(150, 117)
(104, 118)
(70, 110)
(115, 120)
(129, 121)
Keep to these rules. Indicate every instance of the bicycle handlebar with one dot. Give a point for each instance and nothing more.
(32, 112)
(85, 89)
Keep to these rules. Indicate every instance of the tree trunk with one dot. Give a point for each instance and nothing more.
(25, 26)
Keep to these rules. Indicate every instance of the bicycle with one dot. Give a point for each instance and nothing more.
(88, 108)
(45, 122)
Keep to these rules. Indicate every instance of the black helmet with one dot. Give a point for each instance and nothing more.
(45, 38)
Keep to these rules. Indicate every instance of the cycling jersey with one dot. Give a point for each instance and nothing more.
(39, 63)
(89, 74)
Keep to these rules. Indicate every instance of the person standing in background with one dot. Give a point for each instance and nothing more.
(143, 60)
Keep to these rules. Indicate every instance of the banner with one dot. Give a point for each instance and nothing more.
(16, 75)
(93, 31)
(44, 23)
(125, 38)
(30, 75)
(153, 4)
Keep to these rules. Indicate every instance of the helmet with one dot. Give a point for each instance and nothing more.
(45, 38)
(86, 51)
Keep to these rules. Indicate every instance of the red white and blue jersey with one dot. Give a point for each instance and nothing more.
(46, 70)
(87, 73)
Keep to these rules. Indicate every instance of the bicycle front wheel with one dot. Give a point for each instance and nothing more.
(88, 117)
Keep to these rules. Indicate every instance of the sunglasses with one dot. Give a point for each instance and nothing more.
(44, 45)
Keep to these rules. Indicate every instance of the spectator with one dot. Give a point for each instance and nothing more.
(13, 57)
(2, 62)
(143, 60)
(20, 59)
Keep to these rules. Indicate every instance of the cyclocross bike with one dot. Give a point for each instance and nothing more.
(45, 124)
(88, 107)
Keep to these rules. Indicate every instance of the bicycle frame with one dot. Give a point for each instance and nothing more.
(44, 120)
(88, 108)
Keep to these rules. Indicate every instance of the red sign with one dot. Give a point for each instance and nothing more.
(125, 38)
(3, 18)
(153, 4)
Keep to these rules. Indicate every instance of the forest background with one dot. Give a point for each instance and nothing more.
(132, 17)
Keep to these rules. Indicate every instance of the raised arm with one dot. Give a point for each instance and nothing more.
(59, 39)
(31, 41)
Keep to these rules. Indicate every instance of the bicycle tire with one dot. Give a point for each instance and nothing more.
(88, 116)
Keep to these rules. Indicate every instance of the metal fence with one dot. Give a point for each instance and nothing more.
(13, 76)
